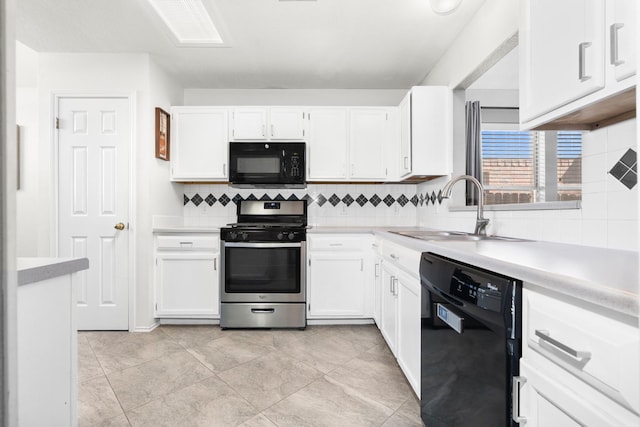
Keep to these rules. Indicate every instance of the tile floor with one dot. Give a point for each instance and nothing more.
(204, 376)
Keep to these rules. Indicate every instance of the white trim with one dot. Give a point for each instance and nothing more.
(131, 98)
(543, 206)
(182, 321)
(319, 322)
(149, 328)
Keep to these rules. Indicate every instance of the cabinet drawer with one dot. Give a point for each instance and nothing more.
(599, 350)
(188, 242)
(405, 258)
(337, 243)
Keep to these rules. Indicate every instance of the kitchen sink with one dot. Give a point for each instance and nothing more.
(443, 235)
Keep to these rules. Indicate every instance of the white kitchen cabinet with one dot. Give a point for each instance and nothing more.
(400, 295)
(574, 55)
(389, 307)
(187, 275)
(327, 144)
(199, 144)
(578, 367)
(372, 141)
(337, 277)
(377, 285)
(267, 124)
(409, 328)
(425, 134)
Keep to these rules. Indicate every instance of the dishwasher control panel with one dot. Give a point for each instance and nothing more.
(485, 292)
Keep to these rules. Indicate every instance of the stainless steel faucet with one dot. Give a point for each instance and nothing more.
(481, 221)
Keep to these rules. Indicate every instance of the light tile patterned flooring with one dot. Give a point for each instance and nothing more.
(204, 376)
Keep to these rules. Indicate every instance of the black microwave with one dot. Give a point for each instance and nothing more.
(267, 164)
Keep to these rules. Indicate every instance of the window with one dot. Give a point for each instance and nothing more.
(531, 167)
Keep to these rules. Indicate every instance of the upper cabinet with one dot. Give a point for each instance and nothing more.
(327, 144)
(426, 133)
(577, 61)
(350, 144)
(199, 144)
(250, 124)
(372, 138)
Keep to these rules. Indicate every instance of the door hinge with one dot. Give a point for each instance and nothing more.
(57, 122)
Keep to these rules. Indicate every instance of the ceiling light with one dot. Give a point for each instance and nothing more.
(188, 20)
(444, 7)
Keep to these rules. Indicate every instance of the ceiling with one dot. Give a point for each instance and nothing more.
(270, 44)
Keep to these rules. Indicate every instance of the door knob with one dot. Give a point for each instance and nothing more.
(119, 226)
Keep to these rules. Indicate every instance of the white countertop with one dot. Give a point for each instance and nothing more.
(31, 270)
(605, 277)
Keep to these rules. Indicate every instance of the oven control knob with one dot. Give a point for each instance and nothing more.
(292, 236)
(245, 236)
(280, 236)
(233, 235)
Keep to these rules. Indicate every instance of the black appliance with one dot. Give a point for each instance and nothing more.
(267, 164)
(263, 266)
(471, 344)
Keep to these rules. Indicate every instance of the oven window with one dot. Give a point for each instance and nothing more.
(262, 270)
(252, 165)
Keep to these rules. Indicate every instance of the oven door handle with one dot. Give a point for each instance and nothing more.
(262, 245)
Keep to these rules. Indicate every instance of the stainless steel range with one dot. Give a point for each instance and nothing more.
(263, 266)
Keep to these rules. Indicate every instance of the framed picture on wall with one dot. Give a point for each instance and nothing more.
(163, 125)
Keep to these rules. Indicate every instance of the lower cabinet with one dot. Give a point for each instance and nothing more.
(400, 313)
(337, 277)
(187, 276)
(579, 368)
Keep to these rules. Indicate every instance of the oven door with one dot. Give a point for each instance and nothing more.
(263, 272)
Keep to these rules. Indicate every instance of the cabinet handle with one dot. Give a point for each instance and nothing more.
(353, 168)
(582, 47)
(544, 336)
(377, 270)
(264, 133)
(224, 169)
(516, 383)
(215, 264)
(395, 286)
(272, 131)
(361, 265)
(391, 285)
(394, 257)
(335, 244)
(615, 60)
(406, 163)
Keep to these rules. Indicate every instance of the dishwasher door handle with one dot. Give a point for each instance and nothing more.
(449, 317)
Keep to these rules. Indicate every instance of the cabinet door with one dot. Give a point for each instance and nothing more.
(409, 318)
(369, 141)
(327, 144)
(377, 291)
(389, 307)
(336, 285)
(200, 146)
(286, 123)
(404, 164)
(249, 124)
(187, 285)
(622, 38)
(545, 401)
(562, 53)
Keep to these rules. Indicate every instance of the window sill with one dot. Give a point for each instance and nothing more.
(571, 204)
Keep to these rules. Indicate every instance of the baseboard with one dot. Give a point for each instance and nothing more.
(189, 321)
(319, 322)
(146, 328)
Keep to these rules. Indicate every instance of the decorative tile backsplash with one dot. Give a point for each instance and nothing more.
(626, 169)
(320, 199)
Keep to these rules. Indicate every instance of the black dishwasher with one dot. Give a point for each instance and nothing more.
(471, 344)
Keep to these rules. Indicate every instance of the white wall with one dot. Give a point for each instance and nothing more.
(133, 75)
(608, 217)
(485, 40)
(302, 97)
(27, 119)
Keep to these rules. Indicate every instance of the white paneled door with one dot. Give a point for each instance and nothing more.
(94, 137)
